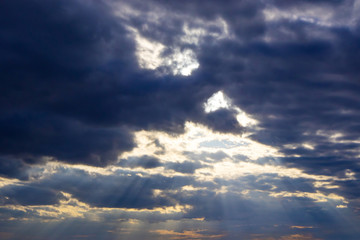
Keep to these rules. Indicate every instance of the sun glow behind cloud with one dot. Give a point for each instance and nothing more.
(179, 120)
(233, 164)
(180, 57)
(150, 55)
(226, 156)
(220, 101)
(216, 101)
(238, 157)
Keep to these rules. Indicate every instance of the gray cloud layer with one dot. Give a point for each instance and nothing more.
(72, 91)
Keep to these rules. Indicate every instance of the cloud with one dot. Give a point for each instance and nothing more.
(13, 168)
(74, 78)
(143, 161)
(110, 105)
(29, 195)
(63, 139)
(121, 190)
(188, 234)
(223, 121)
(184, 167)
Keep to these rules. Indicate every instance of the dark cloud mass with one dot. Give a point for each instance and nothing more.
(143, 161)
(73, 73)
(96, 97)
(184, 167)
(13, 168)
(35, 135)
(29, 195)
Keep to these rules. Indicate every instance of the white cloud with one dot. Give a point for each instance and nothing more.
(217, 101)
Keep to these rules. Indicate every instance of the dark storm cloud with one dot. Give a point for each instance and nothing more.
(13, 168)
(29, 195)
(184, 167)
(70, 82)
(244, 17)
(280, 3)
(71, 77)
(78, 63)
(50, 50)
(71, 90)
(297, 87)
(34, 135)
(223, 120)
(350, 189)
(143, 161)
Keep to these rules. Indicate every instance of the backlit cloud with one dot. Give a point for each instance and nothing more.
(179, 119)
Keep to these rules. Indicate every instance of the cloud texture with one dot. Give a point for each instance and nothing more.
(179, 119)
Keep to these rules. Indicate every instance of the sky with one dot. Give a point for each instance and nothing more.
(131, 119)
